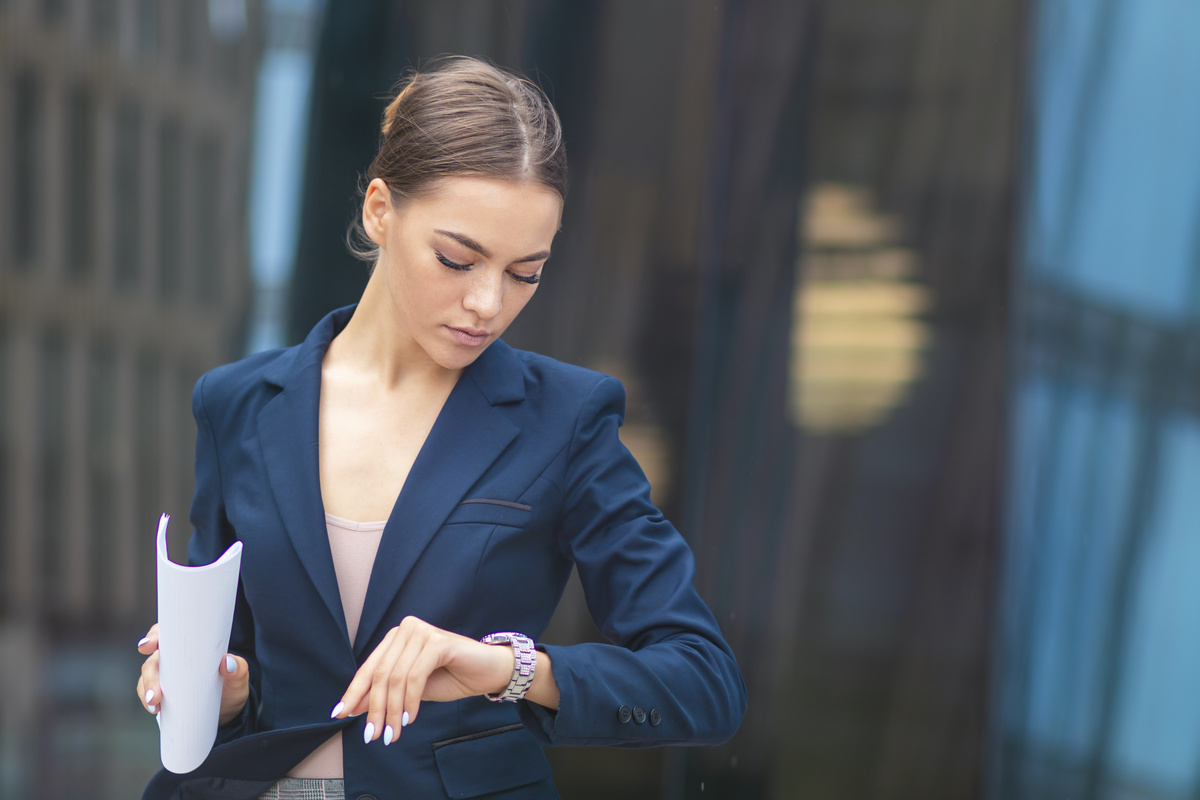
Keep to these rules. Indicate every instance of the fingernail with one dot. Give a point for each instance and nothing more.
(388, 733)
(149, 694)
(404, 720)
(337, 710)
(368, 732)
(153, 709)
(143, 640)
(230, 665)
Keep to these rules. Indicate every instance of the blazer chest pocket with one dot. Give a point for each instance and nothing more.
(490, 761)
(487, 511)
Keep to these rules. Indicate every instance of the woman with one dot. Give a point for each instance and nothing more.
(412, 495)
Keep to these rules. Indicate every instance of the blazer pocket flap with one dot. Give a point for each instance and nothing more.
(490, 512)
(489, 761)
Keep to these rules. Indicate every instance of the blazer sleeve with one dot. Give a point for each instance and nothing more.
(212, 534)
(668, 677)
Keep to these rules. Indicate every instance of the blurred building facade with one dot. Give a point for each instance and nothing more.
(904, 294)
(123, 275)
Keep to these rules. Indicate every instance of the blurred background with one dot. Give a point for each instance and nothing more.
(905, 293)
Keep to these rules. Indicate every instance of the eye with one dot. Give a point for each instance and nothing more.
(531, 280)
(451, 264)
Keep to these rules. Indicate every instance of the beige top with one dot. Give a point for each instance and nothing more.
(353, 545)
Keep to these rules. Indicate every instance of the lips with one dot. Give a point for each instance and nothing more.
(471, 337)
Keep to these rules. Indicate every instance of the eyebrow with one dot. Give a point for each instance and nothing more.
(468, 242)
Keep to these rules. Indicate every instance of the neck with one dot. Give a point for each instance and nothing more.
(374, 343)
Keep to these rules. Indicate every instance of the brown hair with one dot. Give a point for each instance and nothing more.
(462, 116)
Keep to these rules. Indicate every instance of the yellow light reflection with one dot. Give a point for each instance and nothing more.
(857, 335)
(643, 437)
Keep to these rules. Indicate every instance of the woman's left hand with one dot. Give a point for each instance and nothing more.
(417, 661)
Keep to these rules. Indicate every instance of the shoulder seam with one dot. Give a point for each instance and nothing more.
(601, 378)
(211, 434)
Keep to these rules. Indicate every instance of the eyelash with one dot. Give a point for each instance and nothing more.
(529, 280)
(451, 264)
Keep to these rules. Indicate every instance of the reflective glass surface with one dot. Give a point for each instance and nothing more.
(1096, 694)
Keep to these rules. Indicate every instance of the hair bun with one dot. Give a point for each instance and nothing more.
(393, 109)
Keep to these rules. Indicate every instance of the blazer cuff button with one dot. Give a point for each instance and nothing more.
(639, 714)
(624, 713)
(655, 716)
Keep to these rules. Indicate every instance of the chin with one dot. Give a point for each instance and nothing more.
(460, 358)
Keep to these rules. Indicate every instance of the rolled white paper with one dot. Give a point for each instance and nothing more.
(195, 614)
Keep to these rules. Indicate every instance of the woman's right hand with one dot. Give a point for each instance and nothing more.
(235, 678)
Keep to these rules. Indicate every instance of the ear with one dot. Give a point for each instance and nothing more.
(376, 211)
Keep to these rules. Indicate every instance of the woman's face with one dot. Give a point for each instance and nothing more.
(460, 262)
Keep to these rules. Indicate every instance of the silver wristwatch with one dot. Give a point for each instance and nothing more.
(524, 663)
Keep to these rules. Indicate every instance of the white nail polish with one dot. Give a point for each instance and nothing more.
(230, 665)
(143, 640)
(388, 733)
(337, 710)
(368, 732)
(153, 709)
(404, 720)
(149, 695)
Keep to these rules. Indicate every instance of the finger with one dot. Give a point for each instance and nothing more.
(149, 643)
(235, 686)
(400, 686)
(148, 689)
(404, 704)
(353, 702)
(230, 665)
(425, 653)
(387, 680)
(234, 672)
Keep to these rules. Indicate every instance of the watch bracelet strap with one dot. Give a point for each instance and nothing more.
(524, 664)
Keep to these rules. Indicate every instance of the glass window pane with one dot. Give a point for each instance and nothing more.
(208, 216)
(148, 458)
(170, 212)
(126, 187)
(103, 20)
(26, 155)
(102, 471)
(147, 28)
(79, 181)
(52, 440)
(6, 453)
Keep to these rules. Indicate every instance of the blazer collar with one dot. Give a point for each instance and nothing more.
(470, 433)
(497, 372)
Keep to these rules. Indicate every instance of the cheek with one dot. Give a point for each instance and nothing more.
(428, 291)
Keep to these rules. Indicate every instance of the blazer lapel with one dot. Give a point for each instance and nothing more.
(468, 436)
(288, 431)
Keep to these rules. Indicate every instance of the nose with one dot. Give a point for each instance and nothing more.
(485, 294)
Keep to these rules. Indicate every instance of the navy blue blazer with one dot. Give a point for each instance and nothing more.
(521, 478)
